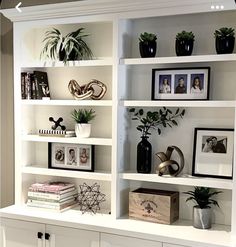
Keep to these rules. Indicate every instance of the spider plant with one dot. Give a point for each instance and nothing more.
(64, 48)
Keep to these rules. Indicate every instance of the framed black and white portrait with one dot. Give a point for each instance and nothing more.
(71, 156)
(213, 152)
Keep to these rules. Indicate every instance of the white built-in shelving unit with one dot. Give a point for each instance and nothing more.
(114, 28)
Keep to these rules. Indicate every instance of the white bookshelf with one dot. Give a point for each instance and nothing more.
(177, 60)
(67, 102)
(96, 175)
(108, 61)
(114, 29)
(174, 103)
(185, 180)
(75, 140)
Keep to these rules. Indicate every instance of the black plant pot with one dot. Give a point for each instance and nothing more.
(62, 54)
(148, 49)
(144, 156)
(72, 56)
(224, 45)
(183, 47)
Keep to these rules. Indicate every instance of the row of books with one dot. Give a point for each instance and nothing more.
(34, 85)
(52, 195)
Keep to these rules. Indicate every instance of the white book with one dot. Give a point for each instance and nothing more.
(52, 196)
(58, 208)
(60, 200)
(55, 204)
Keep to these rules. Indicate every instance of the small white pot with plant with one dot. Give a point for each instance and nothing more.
(202, 212)
(82, 118)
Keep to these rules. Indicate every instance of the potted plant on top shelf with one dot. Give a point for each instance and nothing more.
(202, 211)
(224, 40)
(151, 121)
(65, 48)
(147, 44)
(184, 43)
(82, 118)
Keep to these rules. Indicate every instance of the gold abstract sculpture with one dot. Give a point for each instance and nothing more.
(167, 165)
(87, 90)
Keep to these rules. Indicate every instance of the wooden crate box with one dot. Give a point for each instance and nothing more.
(154, 205)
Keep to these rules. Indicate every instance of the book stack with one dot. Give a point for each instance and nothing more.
(52, 195)
(57, 133)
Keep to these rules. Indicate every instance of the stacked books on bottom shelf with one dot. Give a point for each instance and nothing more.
(52, 195)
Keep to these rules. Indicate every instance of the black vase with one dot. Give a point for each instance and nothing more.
(184, 47)
(148, 49)
(144, 156)
(62, 54)
(72, 56)
(224, 45)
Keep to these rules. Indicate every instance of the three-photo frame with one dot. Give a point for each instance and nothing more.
(66, 156)
(181, 84)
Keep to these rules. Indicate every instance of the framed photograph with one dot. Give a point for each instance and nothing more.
(71, 156)
(181, 84)
(213, 153)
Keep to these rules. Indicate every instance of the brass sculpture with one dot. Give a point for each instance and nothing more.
(87, 90)
(167, 165)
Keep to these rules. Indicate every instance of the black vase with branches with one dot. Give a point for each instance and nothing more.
(151, 121)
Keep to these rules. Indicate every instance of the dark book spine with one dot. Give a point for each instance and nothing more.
(23, 87)
(33, 87)
(28, 86)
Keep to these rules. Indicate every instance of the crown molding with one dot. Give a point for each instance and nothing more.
(119, 8)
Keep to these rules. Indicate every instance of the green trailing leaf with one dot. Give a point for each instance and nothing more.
(154, 120)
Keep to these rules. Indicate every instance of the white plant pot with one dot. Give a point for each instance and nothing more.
(202, 217)
(83, 130)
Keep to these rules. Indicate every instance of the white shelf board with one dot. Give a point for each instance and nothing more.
(179, 103)
(97, 175)
(106, 61)
(88, 141)
(180, 59)
(68, 102)
(181, 232)
(184, 180)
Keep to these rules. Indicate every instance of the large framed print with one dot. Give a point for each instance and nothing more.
(213, 153)
(78, 157)
(181, 84)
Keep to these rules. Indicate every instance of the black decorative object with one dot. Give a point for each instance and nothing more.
(168, 166)
(224, 45)
(144, 156)
(57, 123)
(224, 40)
(147, 44)
(183, 47)
(148, 49)
(184, 43)
(90, 197)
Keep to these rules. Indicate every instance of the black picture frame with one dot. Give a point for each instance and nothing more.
(177, 83)
(213, 152)
(60, 156)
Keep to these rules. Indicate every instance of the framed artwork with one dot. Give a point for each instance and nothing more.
(71, 156)
(213, 153)
(181, 84)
